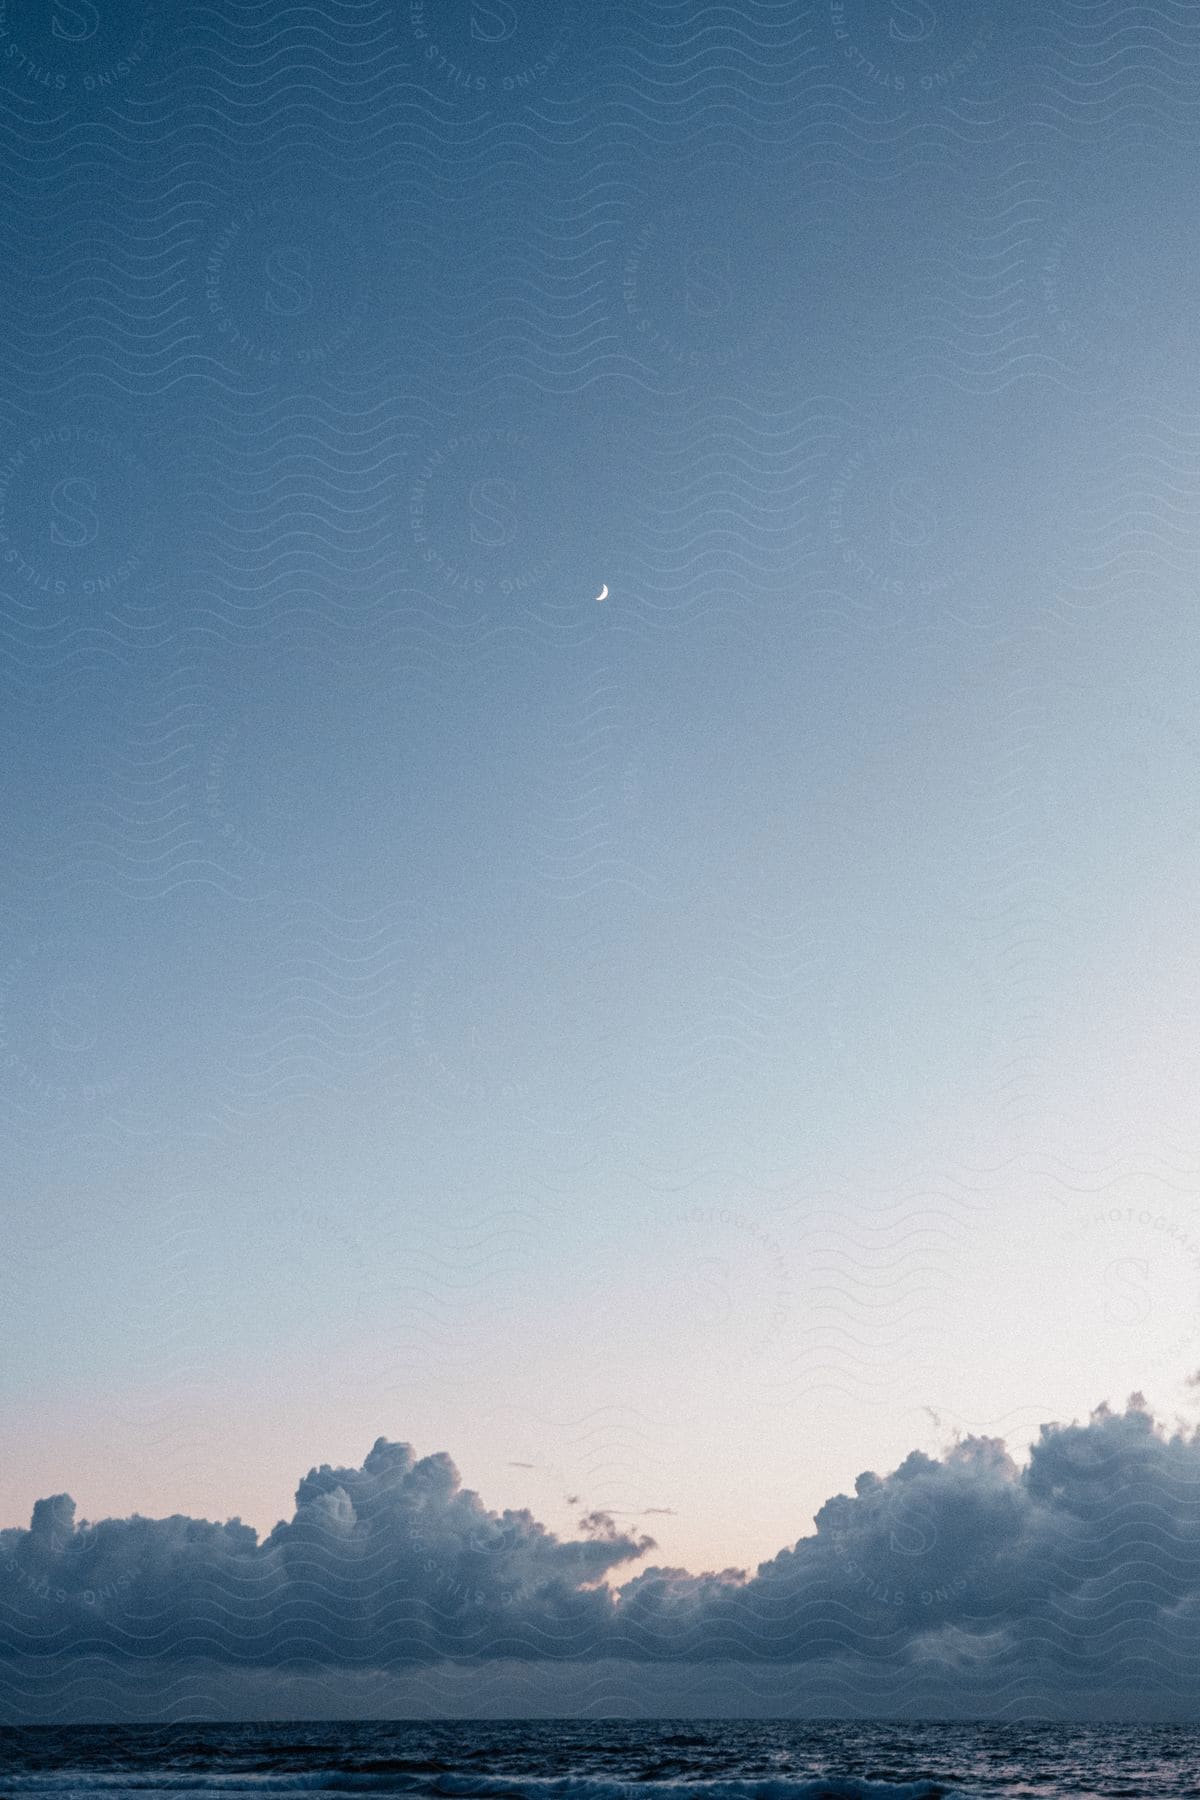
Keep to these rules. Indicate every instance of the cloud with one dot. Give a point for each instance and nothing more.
(1081, 1566)
(393, 1562)
(1083, 1559)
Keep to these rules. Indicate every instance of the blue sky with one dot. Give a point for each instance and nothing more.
(675, 1052)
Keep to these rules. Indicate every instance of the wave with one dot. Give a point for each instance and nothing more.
(404, 1780)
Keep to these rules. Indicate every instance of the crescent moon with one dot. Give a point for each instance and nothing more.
(603, 594)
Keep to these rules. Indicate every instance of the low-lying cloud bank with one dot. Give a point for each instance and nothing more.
(1082, 1566)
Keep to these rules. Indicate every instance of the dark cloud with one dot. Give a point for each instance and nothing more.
(393, 1562)
(1083, 1565)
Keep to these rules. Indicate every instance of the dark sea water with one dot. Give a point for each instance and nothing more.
(606, 1760)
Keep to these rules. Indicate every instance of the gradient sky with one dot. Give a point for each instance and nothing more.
(675, 1052)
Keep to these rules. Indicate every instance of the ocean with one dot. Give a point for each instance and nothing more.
(606, 1760)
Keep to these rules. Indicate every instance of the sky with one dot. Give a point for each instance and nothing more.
(670, 1052)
